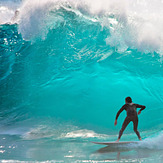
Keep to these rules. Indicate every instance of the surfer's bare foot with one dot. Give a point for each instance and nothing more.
(117, 140)
(140, 139)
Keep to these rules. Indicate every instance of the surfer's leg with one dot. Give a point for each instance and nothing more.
(125, 123)
(135, 123)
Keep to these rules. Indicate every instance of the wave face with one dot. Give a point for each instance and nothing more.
(75, 62)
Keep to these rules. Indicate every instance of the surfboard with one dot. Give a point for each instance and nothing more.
(116, 143)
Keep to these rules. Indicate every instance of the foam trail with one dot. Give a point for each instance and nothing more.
(154, 142)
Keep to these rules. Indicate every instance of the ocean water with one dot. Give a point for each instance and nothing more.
(66, 67)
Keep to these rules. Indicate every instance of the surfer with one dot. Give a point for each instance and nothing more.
(15, 17)
(132, 115)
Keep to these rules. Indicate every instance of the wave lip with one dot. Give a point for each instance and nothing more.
(131, 25)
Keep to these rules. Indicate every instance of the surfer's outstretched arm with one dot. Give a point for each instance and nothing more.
(118, 113)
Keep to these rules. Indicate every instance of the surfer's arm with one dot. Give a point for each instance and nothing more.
(119, 112)
(122, 108)
(140, 106)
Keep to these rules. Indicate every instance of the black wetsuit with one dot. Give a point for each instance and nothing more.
(131, 116)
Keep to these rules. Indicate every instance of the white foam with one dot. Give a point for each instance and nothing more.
(43, 131)
(5, 14)
(7, 11)
(84, 134)
(155, 142)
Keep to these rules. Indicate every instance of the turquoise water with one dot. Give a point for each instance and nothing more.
(65, 70)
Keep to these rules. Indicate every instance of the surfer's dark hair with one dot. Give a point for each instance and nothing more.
(128, 99)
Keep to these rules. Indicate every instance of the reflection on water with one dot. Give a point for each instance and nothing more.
(129, 153)
(15, 149)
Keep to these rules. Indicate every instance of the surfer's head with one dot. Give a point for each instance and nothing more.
(128, 100)
(16, 12)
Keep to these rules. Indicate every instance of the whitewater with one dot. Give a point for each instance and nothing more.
(66, 67)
